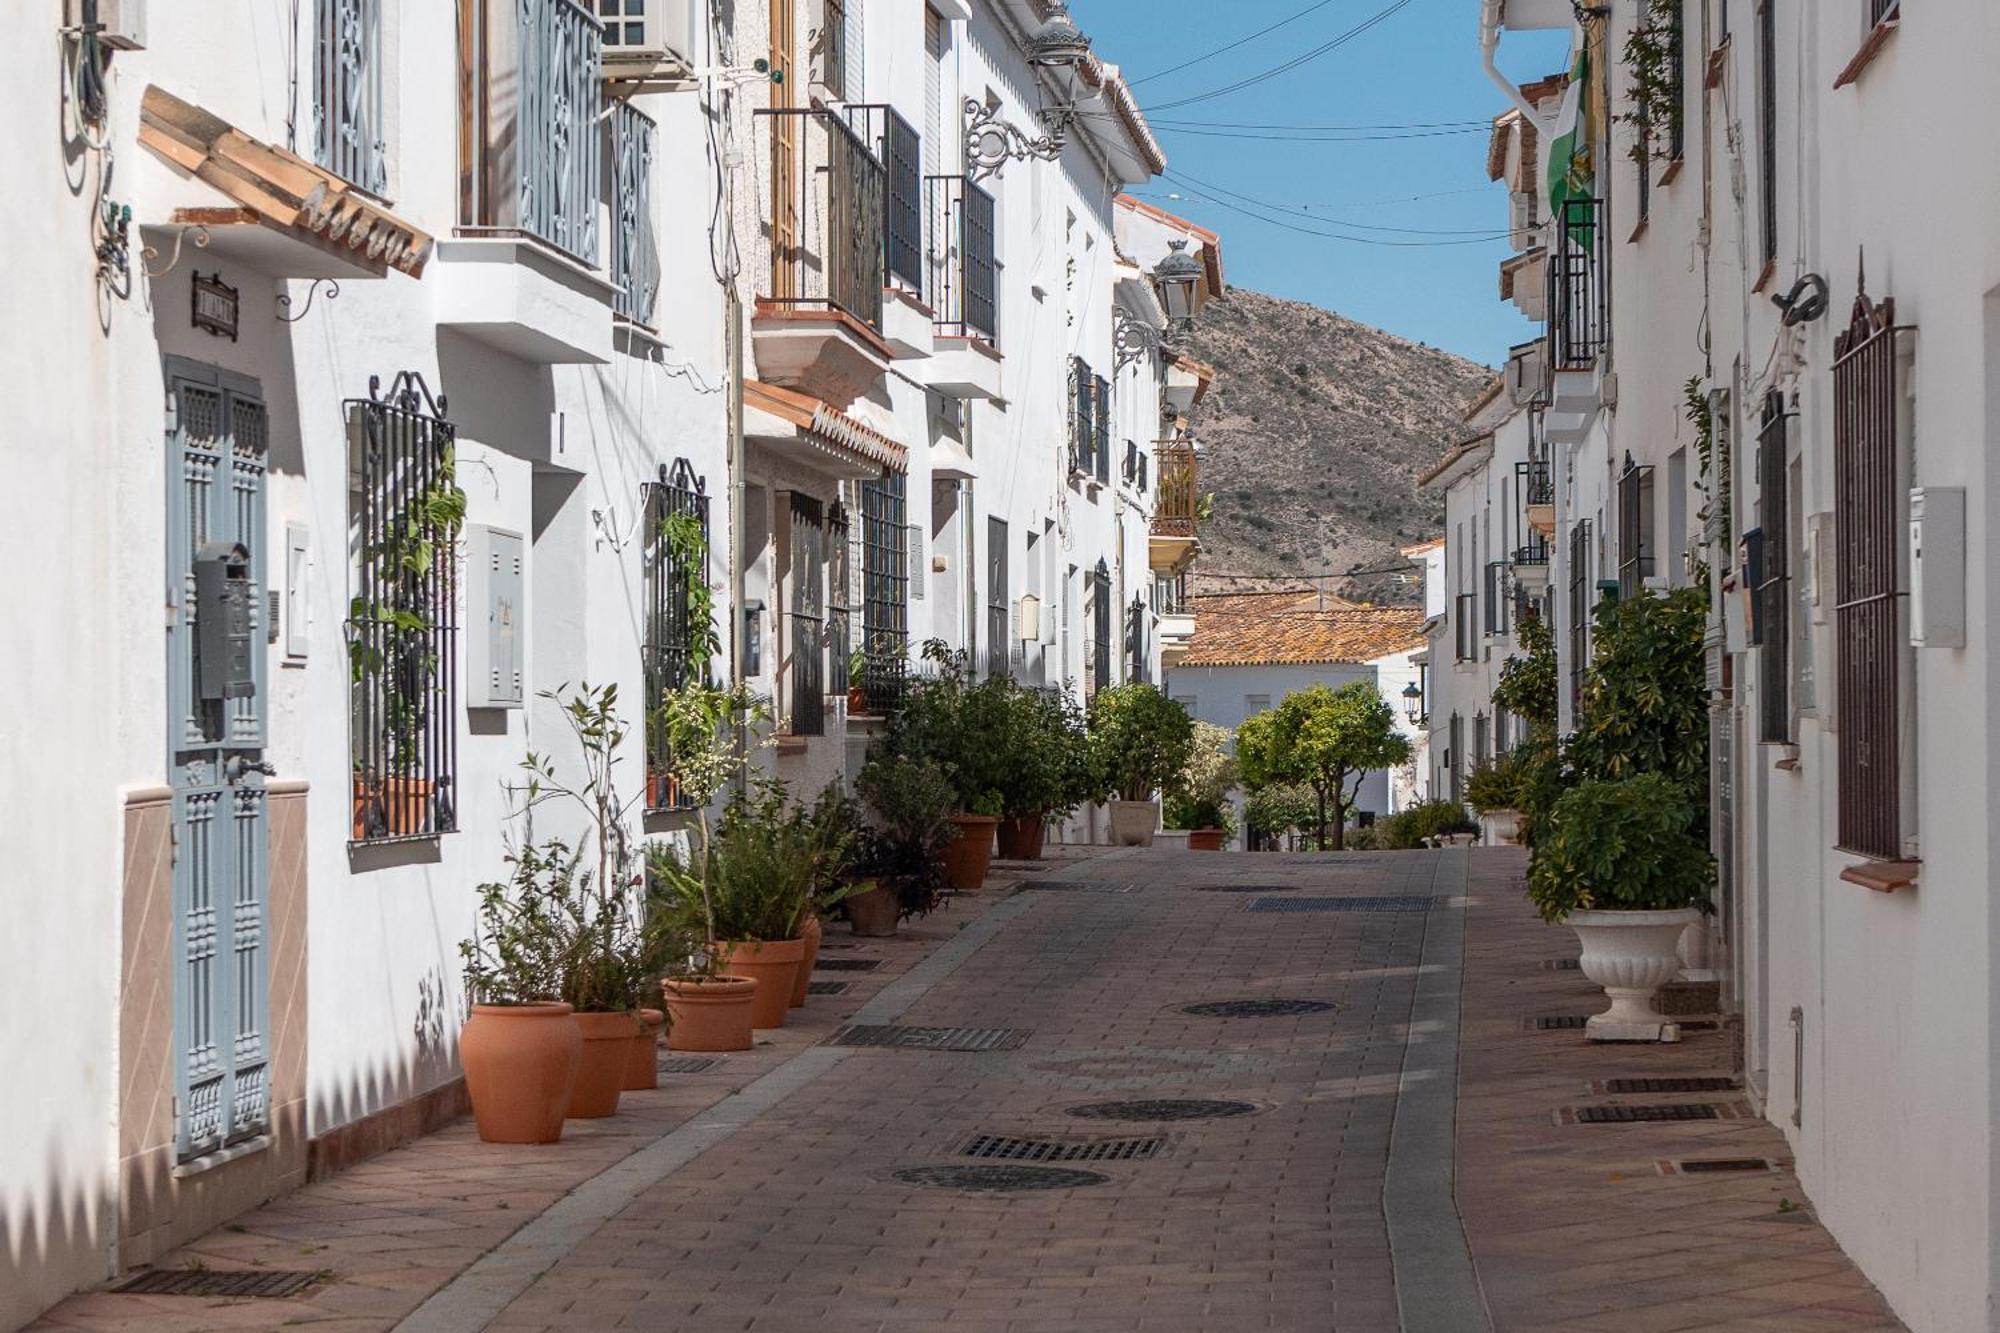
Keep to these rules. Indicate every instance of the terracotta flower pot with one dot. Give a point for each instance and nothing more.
(1205, 840)
(404, 804)
(810, 937)
(520, 1061)
(970, 854)
(857, 701)
(774, 965)
(1021, 838)
(600, 1076)
(642, 1064)
(874, 913)
(708, 1013)
(1133, 823)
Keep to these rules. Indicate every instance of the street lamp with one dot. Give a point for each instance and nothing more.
(1413, 703)
(1178, 277)
(1057, 45)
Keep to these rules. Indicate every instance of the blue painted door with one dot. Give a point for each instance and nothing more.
(216, 441)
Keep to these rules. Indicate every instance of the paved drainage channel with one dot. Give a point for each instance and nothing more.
(1408, 903)
(1189, 1108)
(1257, 1008)
(1009, 1148)
(269, 1282)
(1076, 886)
(1246, 888)
(929, 1039)
(1000, 1179)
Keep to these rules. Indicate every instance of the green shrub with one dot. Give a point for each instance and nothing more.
(1495, 784)
(1425, 820)
(1140, 741)
(903, 847)
(1199, 796)
(1630, 845)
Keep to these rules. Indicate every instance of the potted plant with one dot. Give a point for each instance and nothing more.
(1139, 741)
(1622, 863)
(1198, 798)
(857, 687)
(1493, 789)
(519, 1047)
(898, 868)
(763, 864)
(965, 728)
(1048, 773)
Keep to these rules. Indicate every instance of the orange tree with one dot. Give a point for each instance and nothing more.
(1321, 738)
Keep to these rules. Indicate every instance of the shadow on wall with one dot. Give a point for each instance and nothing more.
(56, 1234)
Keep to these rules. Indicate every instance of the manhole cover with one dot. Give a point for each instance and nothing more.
(202, 1282)
(1616, 1086)
(826, 987)
(1078, 886)
(1256, 1008)
(1190, 1108)
(1399, 904)
(1633, 1115)
(846, 964)
(1000, 1179)
(930, 1039)
(1245, 888)
(1011, 1149)
(686, 1064)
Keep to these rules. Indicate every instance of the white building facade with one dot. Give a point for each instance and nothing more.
(368, 348)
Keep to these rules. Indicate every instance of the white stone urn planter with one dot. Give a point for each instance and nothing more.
(1134, 822)
(1503, 827)
(1631, 955)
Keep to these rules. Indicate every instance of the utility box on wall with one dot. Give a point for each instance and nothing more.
(1937, 567)
(494, 605)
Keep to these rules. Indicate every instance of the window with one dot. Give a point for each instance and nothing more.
(1880, 11)
(885, 590)
(1581, 600)
(806, 570)
(840, 643)
(402, 634)
(635, 251)
(1676, 81)
(833, 41)
(1773, 604)
(1082, 418)
(998, 598)
(1503, 730)
(348, 135)
(1867, 592)
(1767, 128)
(1100, 620)
(1138, 641)
(680, 619)
(1454, 759)
(1465, 617)
(1254, 704)
(1635, 529)
(1497, 602)
(1481, 739)
(1100, 428)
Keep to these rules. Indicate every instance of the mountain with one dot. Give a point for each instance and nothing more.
(1315, 429)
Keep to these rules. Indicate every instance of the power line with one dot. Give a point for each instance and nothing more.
(1315, 53)
(1254, 125)
(1338, 236)
(1224, 50)
(1306, 212)
(1281, 137)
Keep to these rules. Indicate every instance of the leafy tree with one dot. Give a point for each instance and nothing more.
(1140, 740)
(1644, 707)
(1529, 683)
(1321, 737)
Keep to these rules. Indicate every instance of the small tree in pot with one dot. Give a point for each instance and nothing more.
(1048, 774)
(898, 869)
(964, 727)
(1623, 864)
(1198, 800)
(1139, 743)
(1322, 737)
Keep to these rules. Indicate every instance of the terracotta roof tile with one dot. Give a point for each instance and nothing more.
(1302, 636)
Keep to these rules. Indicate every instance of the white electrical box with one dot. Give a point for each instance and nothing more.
(494, 603)
(1937, 567)
(121, 24)
(649, 34)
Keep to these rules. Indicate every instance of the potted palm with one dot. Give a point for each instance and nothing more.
(1622, 864)
(898, 866)
(1139, 742)
(1198, 799)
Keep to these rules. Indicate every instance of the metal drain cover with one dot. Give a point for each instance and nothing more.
(1000, 1179)
(686, 1064)
(1257, 1008)
(1190, 1108)
(1617, 1086)
(846, 964)
(1561, 964)
(930, 1039)
(1701, 1165)
(1557, 1022)
(1078, 886)
(1407, 903)
(1632, 1115)
(273, 1282)
(1245, 888)
(1009, 1148)
(826, 987)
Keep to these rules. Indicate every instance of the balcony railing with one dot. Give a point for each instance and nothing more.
(827, 238)
(635, 250)
(964, 272)
(533, 84)
(900, 150)
(1579, 301)
(1534, 551)
(1537, 482)
(1176, 494)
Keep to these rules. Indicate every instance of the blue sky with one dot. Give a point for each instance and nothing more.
(1417, 67)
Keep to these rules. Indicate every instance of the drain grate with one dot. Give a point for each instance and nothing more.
(687, 1064)
(1257, 1008)
(930, 1039)
(1619, 1086)
(1245, 888)
(1190, 1108)
(1007, 1148)
(846, 964)
(272, 1282)
(1000, 1179)
(826, 987)
(1634, 1115)
(1555, 1022)
(1561, 964)
(1409, 903)
(1707, 1165)
(1078, 886)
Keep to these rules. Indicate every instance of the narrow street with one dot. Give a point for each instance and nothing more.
(1298, 1160)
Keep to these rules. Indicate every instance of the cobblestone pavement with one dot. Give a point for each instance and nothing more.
(794, 1216)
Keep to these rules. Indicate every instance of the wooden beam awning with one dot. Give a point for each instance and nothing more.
(781, 412)
(276, 188)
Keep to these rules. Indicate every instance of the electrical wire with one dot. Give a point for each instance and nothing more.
(1307, 213)
(1286, 225)
(1379, 17)
(1224, 50)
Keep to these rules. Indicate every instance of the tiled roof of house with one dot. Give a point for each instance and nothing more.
(1264, 601)
(1302, 636)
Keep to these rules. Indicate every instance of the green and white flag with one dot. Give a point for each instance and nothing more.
(1571, 173)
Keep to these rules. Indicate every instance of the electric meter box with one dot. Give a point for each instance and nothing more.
(494, 600)
(1937, 567)
(225, 609)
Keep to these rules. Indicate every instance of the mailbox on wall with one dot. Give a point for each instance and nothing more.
(225, 596)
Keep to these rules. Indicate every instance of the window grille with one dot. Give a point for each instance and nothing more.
(900, 149)
(348, 126)
(1082, 418)
(677, 647)
(807, 566)
(1503, 731)
(1635, 529)
(1677, 80)
(1497, 602)
(886, 580)
(1767, 127)
(833, 47)
(1481, 739)
(1465, 623)
(1581, 600)
(1100, 428)
(997, 636)
(1579, 311)
(1138, 642)
(964, 269)
(1881, 11)
(1866, 391)
(1100, 615)
(402, 631)
(1454, 759)
(635, 250)
(1773, 607)
(840, 643)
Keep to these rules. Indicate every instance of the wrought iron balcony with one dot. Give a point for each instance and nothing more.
(828, 244)
(964, 271)
(1534, 551)
(900, 150)
(1176, 495)
(1537, 482)
(635, 250)
(1579, 294)
(532, 81)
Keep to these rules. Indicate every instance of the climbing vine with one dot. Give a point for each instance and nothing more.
(1651, 60)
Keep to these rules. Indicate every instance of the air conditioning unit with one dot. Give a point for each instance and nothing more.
(641, 36)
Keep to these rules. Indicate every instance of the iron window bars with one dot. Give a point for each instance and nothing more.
(1100, 615)
(1465, 626)
(1772, 590)
(347, 93)
(1581, 600)
(1100, 444)
(964, 269)
(1176, 498)
(677, 650)
(839, 601)
(1635, 529)
(831, 256)
(402, 631)
(900, 149)
(808, 639)
(1454, 758)
(833, 37)
(635, 250)
(1082, 418)
(997, 620)
(885, 591)
(1579, 310)
(1497, 600)
(1867, 608)
(1881, 11)
(1138, 642)
(1767, 129)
